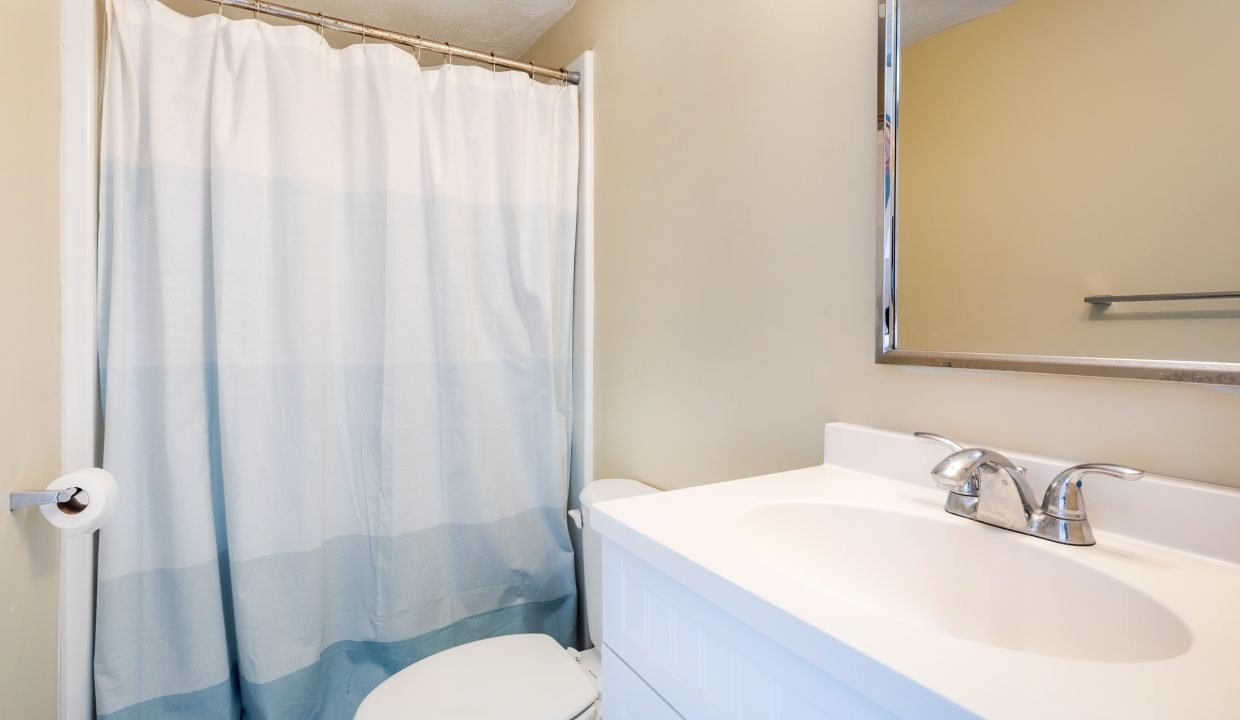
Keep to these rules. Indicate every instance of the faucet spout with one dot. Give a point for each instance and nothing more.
(1006, 499)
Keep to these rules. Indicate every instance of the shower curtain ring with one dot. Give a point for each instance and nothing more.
(363, 34)
(448, 55)
(531, 69)
(417, 50)
(321, 25)
(492, 61)
(220, 12)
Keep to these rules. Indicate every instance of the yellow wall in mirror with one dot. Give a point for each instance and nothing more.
(1063, 148)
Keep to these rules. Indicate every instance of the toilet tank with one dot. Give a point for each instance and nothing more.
(592, 545)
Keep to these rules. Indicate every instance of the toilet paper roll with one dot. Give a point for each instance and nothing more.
(101, 489)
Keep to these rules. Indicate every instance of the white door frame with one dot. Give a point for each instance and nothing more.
(80, 21)
(581, 454)
(582, 468)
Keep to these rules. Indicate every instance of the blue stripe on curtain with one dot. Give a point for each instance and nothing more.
(184, 622)
(347, 671)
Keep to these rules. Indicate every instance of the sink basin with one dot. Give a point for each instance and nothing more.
(965, 579)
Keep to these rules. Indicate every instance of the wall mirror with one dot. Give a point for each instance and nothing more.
(1061, 187)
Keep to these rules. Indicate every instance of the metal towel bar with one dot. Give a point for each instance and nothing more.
(1108, 299)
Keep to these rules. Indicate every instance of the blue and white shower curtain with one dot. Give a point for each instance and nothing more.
(335, 319)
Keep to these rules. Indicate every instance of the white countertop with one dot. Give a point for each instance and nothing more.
(914, 668)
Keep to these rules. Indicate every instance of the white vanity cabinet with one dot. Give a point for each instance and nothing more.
(669, 653)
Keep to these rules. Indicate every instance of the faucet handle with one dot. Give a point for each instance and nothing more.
(948, 473)
(1065, 500)
(958, 471)
(931, 437)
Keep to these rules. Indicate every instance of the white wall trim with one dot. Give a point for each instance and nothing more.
(581, 459)
(583, 287)
(79, 377)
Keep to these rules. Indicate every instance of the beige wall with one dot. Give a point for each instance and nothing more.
(1042, 160)
(29, 354)
(736, 262)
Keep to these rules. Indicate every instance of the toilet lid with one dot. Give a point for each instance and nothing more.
(515, 677)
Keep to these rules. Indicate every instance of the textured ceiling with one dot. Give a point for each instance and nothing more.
(505, 27)
(922, 18)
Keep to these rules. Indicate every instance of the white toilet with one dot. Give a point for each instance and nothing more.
(515, 677)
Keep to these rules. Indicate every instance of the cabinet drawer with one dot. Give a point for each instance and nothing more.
(627, 697)
(699, 660)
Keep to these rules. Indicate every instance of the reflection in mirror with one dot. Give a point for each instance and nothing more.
(1054, 150)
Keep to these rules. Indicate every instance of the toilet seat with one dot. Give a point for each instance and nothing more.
(514, 677)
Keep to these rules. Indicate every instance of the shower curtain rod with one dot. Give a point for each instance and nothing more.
(443, 48)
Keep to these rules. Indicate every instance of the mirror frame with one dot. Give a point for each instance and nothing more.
(887, 351)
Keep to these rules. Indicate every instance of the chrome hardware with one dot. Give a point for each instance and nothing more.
(962, 491)
(1161, 297)
(939, 439)
(985, 486)
(963, 476)
(1063, 507)
(417, 42)
(70, 500)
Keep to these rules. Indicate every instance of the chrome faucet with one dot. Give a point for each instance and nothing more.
(985, 486)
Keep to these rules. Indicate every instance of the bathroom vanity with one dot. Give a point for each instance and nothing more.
(845, 590)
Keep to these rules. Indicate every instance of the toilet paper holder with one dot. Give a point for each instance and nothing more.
(70, 500)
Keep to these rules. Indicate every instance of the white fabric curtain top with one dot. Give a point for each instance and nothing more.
(276, 103)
